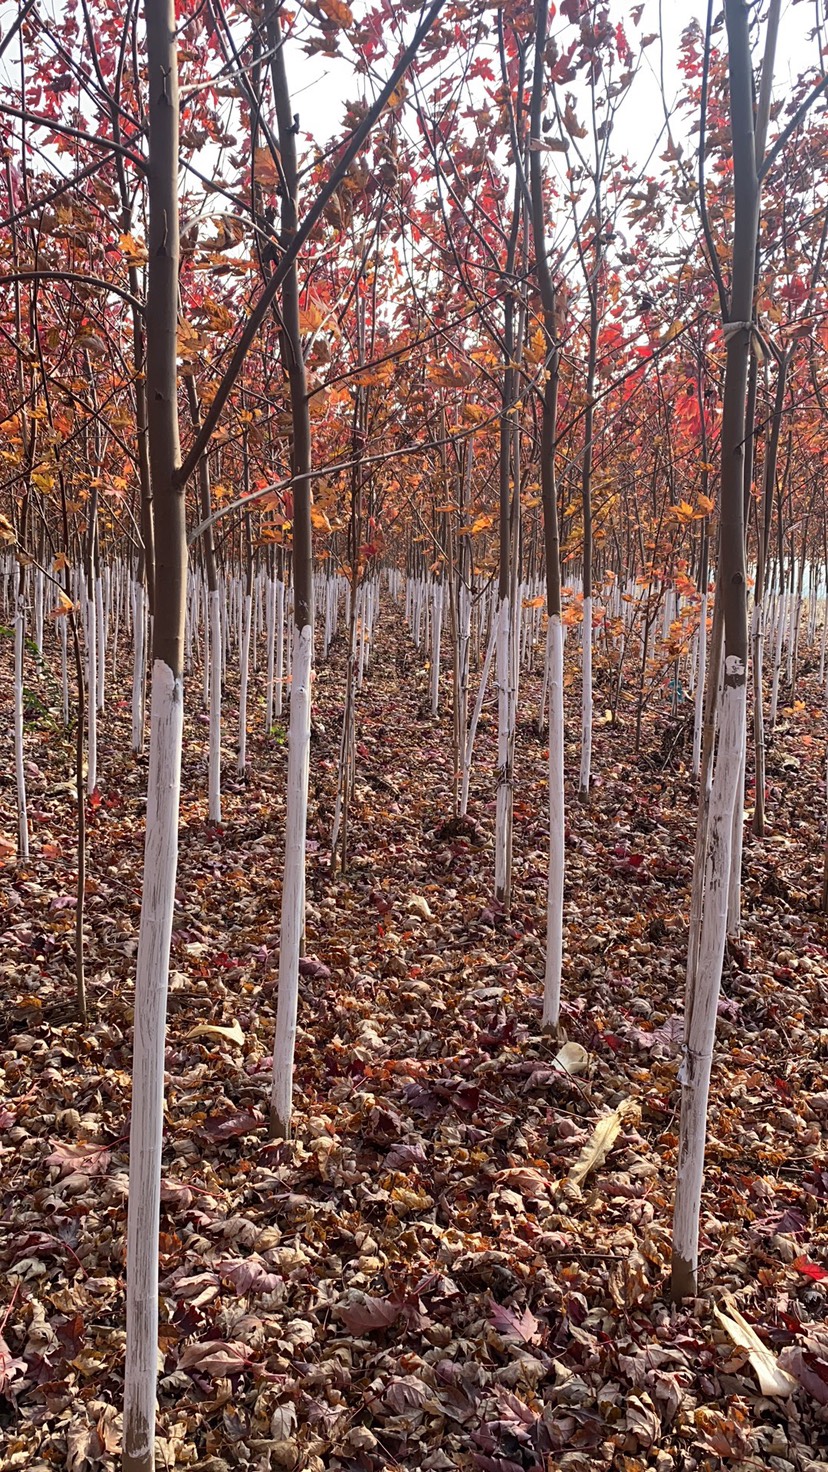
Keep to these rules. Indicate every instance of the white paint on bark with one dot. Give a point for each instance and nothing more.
(436, 639)
(702, 997)
(64, 671)
(19, 764)
(138, 666)
(146, 1129)
(586, 701)
(734, 884)
(293, 886)
(92, 694)
(701, 675)
(504, 747)
(472, 732)
(555, 881)
(270, 635)
(245, 676)
(280, 646)
(100, 623)
(214, 766)
(778, 634)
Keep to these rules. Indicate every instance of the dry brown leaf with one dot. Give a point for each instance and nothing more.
(772, 1379)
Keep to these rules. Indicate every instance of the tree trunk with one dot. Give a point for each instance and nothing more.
(293, 884)
(19, 756)
(246, 630)
(163, 790)
(549, 497)
(506, 590)
(213, 630)
(704, 981)
(758, 618)
(585, 775)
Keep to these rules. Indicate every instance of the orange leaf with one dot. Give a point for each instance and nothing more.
(338, 12)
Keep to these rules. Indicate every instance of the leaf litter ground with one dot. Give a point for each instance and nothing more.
(415, 1281)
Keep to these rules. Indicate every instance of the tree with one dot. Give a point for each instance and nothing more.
(731, 592)
(164, 781)
(550, 308)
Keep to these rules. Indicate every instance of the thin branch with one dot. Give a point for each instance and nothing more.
(9, 278)
(334, 469)
(54, 126)
(16, 24)
(773, 153)
(262, 307)
(705, 219)
(53, 194)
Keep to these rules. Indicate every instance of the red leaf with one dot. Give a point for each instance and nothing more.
(508, 1321)
(809, 1269)
(313, 968)
(9, 1366)
(247, 1275)
(214, 1357)
(366, 1313)
(242, 1122)
(85, 1158)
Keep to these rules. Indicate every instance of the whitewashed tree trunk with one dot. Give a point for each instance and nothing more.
(778, 628)
(362, 612)
(92, 692)
(544, 683)
(436, 638)
(734, 887)
(19, 758)
(245, 675)
(164, 779)
(100, 622)
(472, 731)
(146, 1129)
(517, 645)
(586, 702)
(504, 747)
(226, 608)
(256, 623)
(214, 760)
(293, 889)
(726, 796)
(138, 666)
(280, 647)
(116, 620)
(270, 635)
(368, 622)
(39, 598)
(205, 645)
(793, 624)
(555, 881)
(64, 671)
(698, 719)
(700, 1017)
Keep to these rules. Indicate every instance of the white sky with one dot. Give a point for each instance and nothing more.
(321, 85)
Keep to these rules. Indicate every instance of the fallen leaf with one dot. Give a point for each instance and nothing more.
(600, 1142)
(572, 1058)
(772, 1379)
(232, 1034)
(217, 1357)
(362, 1312)
(809, 1269)
(508, 1321)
